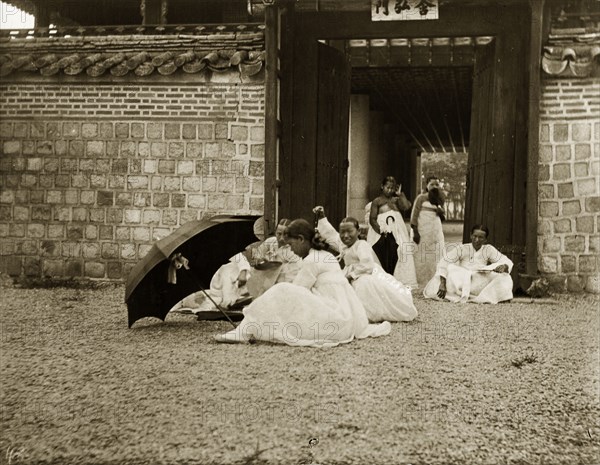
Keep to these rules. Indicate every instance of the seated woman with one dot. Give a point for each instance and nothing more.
(388, 234)
(238, 279)
(475, 272)
(319, 309)
(384, 298)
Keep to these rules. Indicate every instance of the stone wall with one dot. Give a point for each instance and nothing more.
(569, 170)
(92, 173)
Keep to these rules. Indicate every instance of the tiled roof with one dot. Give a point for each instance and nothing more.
(143, 55)
(572, 53)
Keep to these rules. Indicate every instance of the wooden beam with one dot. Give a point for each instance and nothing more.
(42, 14)
(271, 115)
(537, 21)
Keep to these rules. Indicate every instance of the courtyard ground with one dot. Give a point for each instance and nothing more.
(515, 383)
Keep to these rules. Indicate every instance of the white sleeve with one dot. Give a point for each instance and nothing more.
(329, 234)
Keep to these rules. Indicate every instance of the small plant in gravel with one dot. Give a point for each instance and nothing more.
(524, 360)
(254, 457)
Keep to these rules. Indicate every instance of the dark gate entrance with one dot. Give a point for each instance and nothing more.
(498, 167)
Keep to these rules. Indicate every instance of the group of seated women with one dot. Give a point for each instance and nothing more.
(315, 298)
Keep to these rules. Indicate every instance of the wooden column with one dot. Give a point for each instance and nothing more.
(271, 115)
(533, 128)
(42, 14)
(154, 11)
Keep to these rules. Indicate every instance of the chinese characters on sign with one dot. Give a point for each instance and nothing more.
(403, 10)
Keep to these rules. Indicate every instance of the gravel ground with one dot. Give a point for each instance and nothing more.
(515, 383)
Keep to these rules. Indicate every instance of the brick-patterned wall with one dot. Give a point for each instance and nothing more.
(91, 174)
(569, 170)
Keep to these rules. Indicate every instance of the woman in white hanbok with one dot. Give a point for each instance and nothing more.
(319, 309)
(475, 272)
(427, 233)
(238, 279)
(384, 297)
(386, 222)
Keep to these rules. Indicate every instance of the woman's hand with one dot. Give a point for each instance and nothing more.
(441, 293)
(242, 278)
(319, 211)
(501, 269)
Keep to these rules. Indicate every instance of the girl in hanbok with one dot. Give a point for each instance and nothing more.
(475, 272)
(384, 298)
(319, 309)
(426, 223)
(239, 280)
(388, 235)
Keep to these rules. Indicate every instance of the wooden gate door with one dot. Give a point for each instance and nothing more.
(333, 110)
(478, 206)
(315, 118)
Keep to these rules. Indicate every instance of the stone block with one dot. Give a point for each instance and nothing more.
(234, 203)
(137, 130)
(212, 149)
(592, 204)
(114, 215)
(144, 149)
(106, 232)
(154, 130)
(123, 233)
(97, 215)
(169, 217)
(587, 187)
(193, 184)
(206, 132)
(105, 198)
(571, 207)
(114, 270)
(176, 149)
(20, 214)
(257, 205)
(194, 149)
(594, 244)
(562, 225)
(90, 250)
(575, 284)
(166, 166)
(228, 149)
(216, 202)
(547, 208)
(226, 184)
(160, 200)
(128, 149)
(581, 170)
(80, 214)
(178, 200)
(128, 251)
(137, 182)
(172, 131)
(561, 171)
(592, 284)
(151, 217)
(583, 151)
(588, 263)
(239, 133)
(221, 131)
(209, 184)
(197, 201)
(94, 269)
(98, 181)
(53, 268)
(557, 283)
(257, 134)
(565, 190)
(172, 183)
(89, 130)
(142, 199)
(91, 231)
(132, 215)
(561, 132)
(124, 199)
(110, 250)
(574, 243)
(62, 214)
(6, 129)
(44, 147)
(20, 130)
(106, 130)
(581, 131)
(242, 185)
(71, 130)
(122, 130)
(543, 173)
(563, 152)
(61, 147)
(188, 131)
(258, 188)
(158, 149)
(568, 263)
